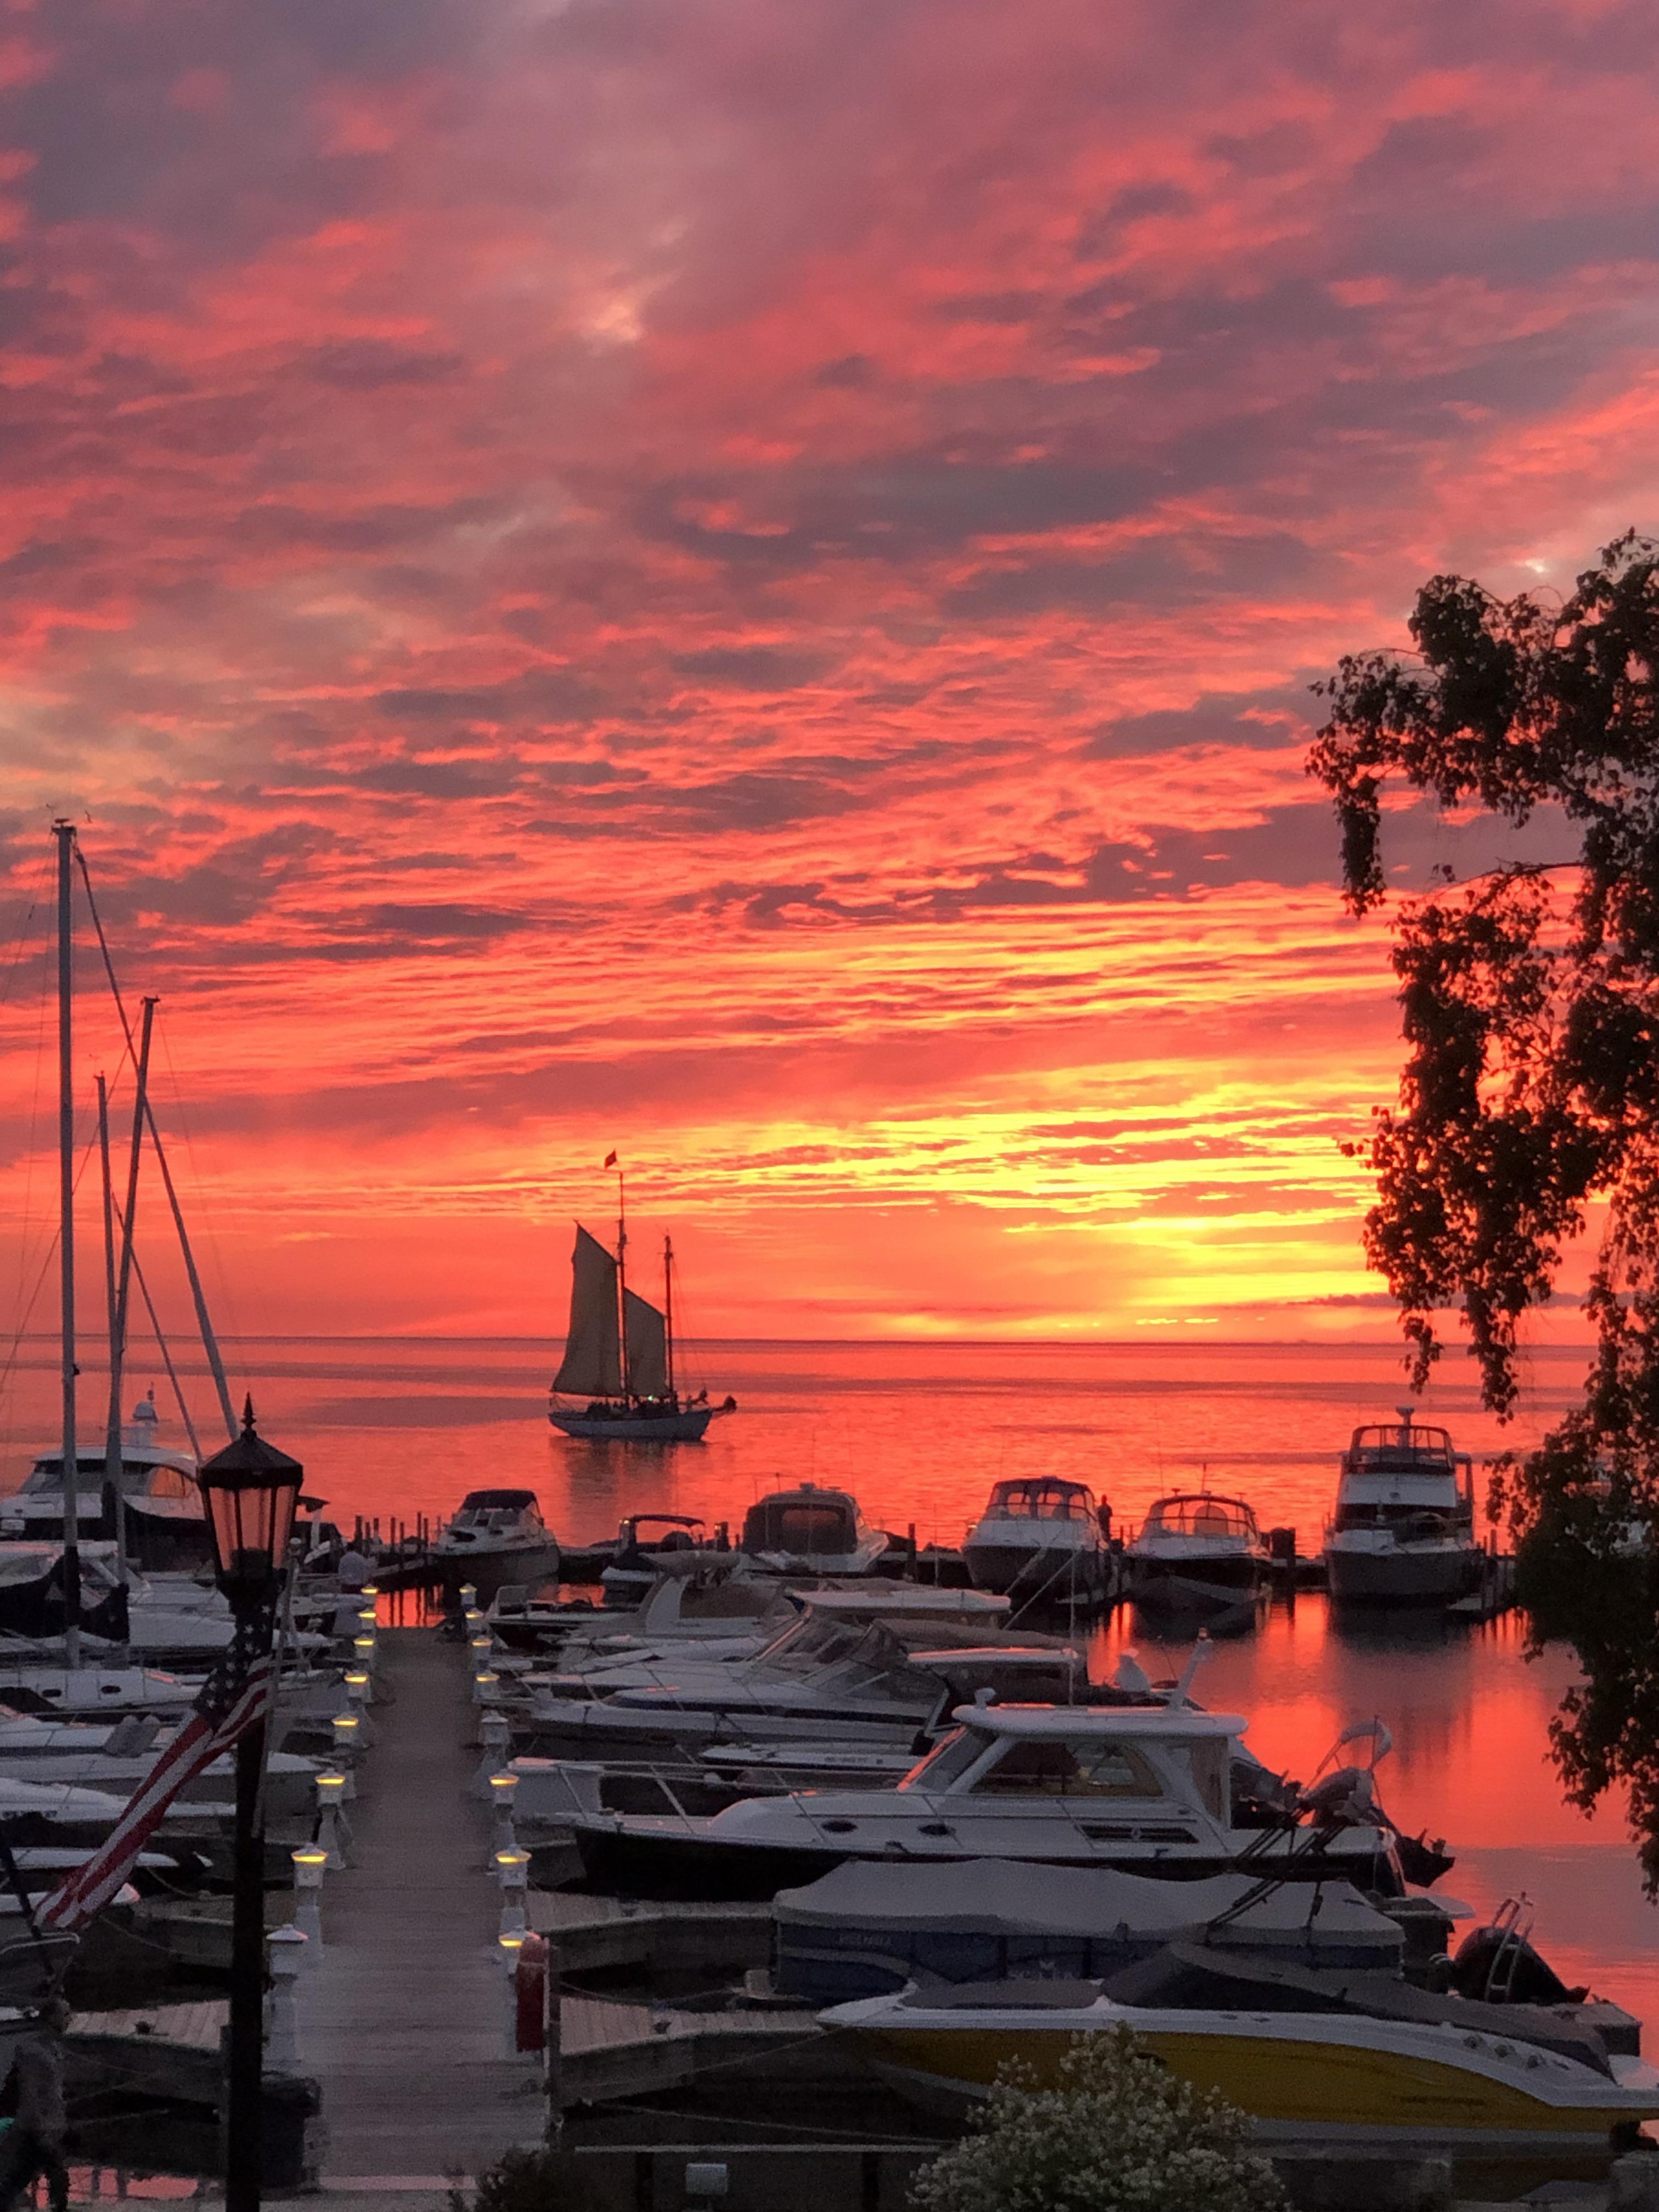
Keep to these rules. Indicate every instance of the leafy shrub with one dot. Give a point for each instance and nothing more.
(1119, 2133)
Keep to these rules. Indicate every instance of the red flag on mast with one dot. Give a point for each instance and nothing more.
(611, 1160)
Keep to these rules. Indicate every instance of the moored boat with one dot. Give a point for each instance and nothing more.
(1197, 1553)
(1041, 1536)
(807, 1530)
(1497, 2082)
(1403, 1530)
(496, 1536)
(1143, 1789)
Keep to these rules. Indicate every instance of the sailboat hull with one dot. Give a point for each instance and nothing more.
(686, 1427)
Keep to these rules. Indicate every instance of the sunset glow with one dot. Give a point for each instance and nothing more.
(740, 582)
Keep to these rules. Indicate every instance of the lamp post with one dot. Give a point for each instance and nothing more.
(249, 1490)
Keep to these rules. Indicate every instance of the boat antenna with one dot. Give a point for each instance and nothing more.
(65, 833)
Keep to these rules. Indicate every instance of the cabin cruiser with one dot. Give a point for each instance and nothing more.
(1145, 1789)
(822, 1679)
(695, 1597)
(163, 1524)
(810, 1531)
(496, 1536)
(1196, 1552)
(1332, 2058)
(1041, 1537)
(1403, 1531)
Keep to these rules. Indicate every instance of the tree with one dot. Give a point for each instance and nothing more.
(1119, 2134)
(1530, 1091)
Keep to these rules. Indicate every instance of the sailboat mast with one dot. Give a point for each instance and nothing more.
(668, 1308)
(622, 1283)
(65, 833)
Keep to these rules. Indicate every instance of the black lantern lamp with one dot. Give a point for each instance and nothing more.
(250, 1490)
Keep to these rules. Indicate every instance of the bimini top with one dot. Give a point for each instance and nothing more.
(1181, 1723)
(1198, 1513)
(496, 1501)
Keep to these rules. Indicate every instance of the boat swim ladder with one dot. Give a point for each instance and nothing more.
(1513, 1938)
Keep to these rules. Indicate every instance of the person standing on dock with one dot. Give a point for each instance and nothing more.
(34, 2143)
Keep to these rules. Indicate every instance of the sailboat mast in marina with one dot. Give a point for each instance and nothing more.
(619, 1350)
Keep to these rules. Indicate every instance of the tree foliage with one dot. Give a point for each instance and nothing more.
(1530, 1091)
(1119, 2134)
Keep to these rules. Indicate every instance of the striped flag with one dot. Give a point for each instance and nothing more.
(236, 1695)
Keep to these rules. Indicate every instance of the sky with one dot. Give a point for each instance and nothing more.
(738, 581)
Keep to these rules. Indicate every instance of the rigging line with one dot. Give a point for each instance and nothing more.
(10, 1361)
(210, 1342)
(167, 1359)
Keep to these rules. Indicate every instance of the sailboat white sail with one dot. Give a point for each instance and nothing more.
(647, 1347)
(592, 1366)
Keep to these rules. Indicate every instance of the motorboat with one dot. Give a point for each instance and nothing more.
(496, 1536)
(695, 1597)
(1041, 1537)
(872, 1926)
(851, 1680)
(163, 1524)
(619, 1353)
(644, 1542)
(1147, 1790)
(1195, 1552)
(808, 1530)
(1302, 2054)
(1403, 1530)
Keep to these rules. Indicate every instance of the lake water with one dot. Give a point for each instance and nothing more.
(396, 1427)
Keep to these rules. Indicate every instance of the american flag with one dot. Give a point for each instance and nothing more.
(234, 1696)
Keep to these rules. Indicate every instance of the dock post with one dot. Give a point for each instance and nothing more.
(510, 1946)
(513, 1872)
(309, 1864)
(553, 2040)
(502, 1788)
(497, 1732)
(286, 1950)
(911, 1551)
(331, 1797)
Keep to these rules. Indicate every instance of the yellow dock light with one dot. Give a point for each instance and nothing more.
(468, 1597)
(308, 1867)
(371, 1590)
(484, 1685)
(330, 1789)
(365, 1647)
(356, 1683)
(483, 1643)
(513, 1872)
(330, 1795)
(367, 1615)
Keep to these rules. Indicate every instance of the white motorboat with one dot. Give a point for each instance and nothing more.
(694, 1599)
(1403, 1531)
(810, 1531)
(823, 1679)
(164, 1526)
(1041, 1537)
(496, 1536)
(1146, 1790)
(1196, 1552)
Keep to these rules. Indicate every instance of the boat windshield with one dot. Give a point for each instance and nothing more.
(798, 1525)
(947, 1762)
(1048, 1766)
(1041, 1501)
(1200, 1515)
(45, 1477)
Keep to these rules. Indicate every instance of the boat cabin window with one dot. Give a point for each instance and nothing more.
(796, 1527)
(169, 1482)
(948, 1761)
(1199, 1516)
(1048, 1766)
(1041, 1501)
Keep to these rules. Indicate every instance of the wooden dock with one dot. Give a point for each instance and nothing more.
(403, 2019)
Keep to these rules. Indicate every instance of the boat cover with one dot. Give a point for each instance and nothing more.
(867, 1928)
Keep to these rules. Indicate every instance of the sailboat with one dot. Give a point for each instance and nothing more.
(619, 1351)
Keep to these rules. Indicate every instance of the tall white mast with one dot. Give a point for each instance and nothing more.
(622, 1275)
(65, 833)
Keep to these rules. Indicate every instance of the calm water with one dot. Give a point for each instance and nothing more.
(919, 1432)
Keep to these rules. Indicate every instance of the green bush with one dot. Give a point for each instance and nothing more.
(1121, 2134)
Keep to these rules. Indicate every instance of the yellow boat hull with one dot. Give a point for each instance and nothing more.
(1354, 2081)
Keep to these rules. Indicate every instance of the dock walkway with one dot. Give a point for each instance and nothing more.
(402, 2020)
